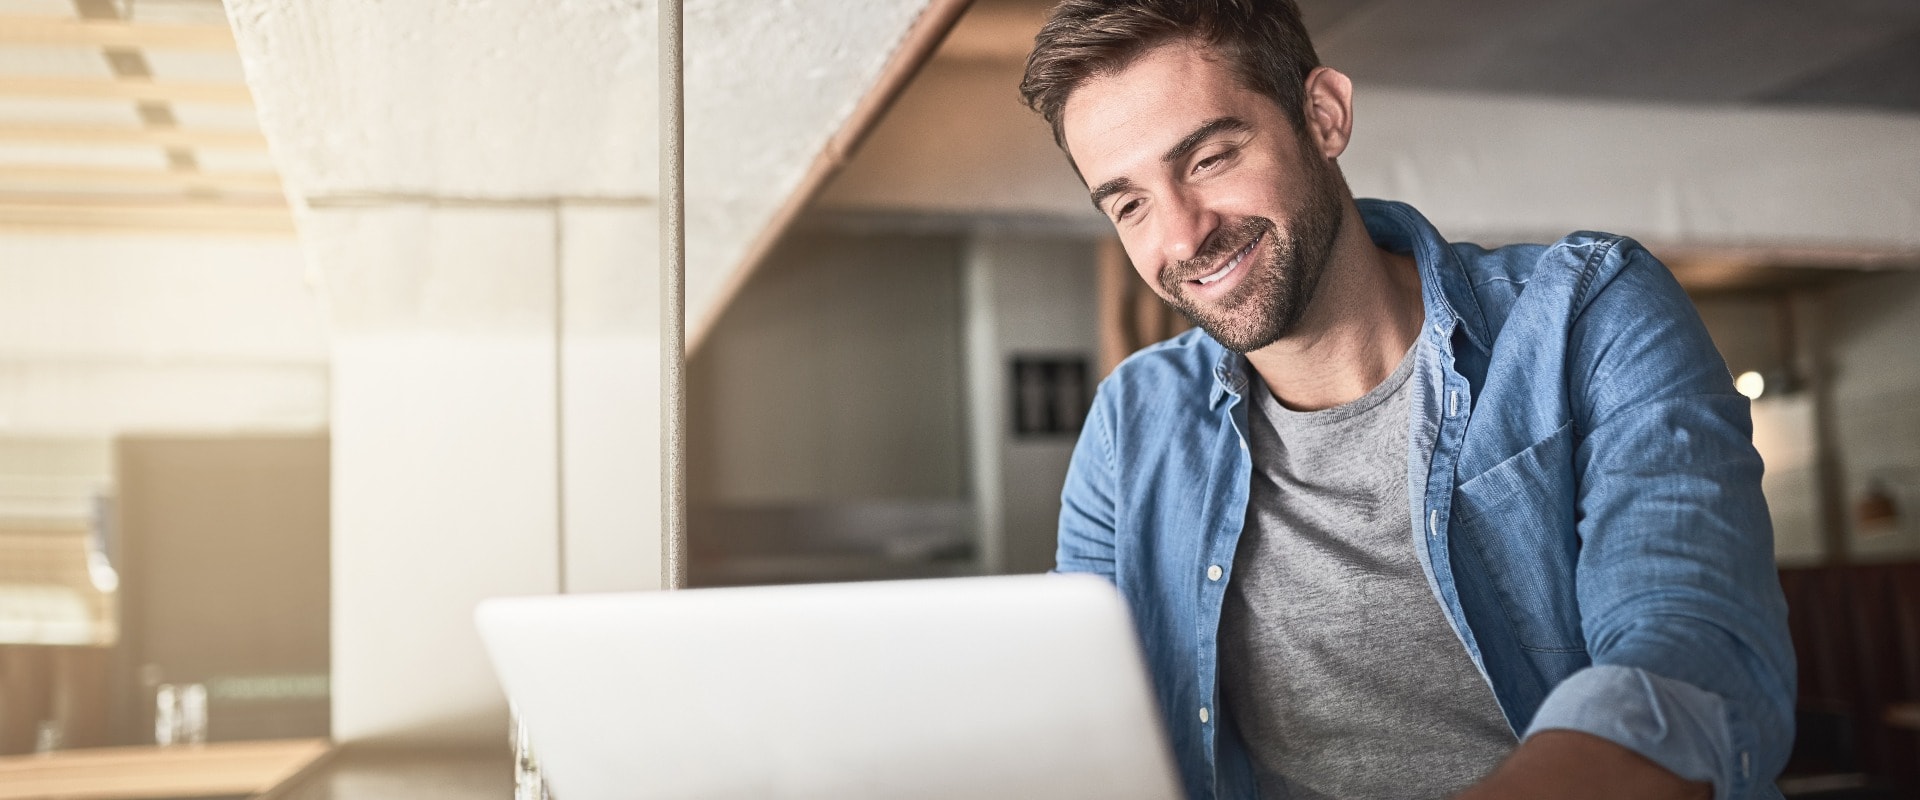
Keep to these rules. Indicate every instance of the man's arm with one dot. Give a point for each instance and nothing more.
(1568, 765)
(1680, 604)
(1087, 501)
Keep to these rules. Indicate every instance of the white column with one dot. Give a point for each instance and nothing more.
(984, 375)
(610, 398)
(1033, 294)
(444, 459)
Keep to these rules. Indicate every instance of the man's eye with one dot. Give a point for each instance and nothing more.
(1125, 209)
(1209, 162)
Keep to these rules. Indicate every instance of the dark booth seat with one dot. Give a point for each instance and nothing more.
(1856, 634)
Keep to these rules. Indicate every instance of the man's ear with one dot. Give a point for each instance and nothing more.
(1329, 111)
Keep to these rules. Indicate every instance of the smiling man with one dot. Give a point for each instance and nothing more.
(1403, 518)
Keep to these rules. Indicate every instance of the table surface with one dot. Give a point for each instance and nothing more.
(370, 773)
(155, 773)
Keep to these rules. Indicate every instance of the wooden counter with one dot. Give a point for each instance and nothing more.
(367, 773)
(156, 773)
(304, 769)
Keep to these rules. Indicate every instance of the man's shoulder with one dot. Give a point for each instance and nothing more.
(1572, 257)
(1187, 360)
(1477, 280)
(1559, 278)
(1176, 378)
(1163, 391)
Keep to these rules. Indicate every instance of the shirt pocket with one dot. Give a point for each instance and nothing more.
(1517, 520)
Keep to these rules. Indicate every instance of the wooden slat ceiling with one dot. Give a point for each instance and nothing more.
(120, 117)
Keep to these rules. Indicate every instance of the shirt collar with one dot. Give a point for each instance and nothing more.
(1229, 375)
(1444, 287)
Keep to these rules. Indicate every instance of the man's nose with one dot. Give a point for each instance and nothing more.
(1185, 228)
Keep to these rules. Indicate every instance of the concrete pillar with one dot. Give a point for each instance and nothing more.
(474, 188)
(610, 398)
(445, 463)
(1025, 294)
(495, 433)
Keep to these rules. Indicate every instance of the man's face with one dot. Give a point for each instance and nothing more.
(1222, 206)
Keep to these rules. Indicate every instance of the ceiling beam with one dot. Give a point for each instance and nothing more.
(122, 136)
(916, 47)
(104, 200)
(233, 94)
(16, 174)
(16, 30)
(91, 215)
(994, 32)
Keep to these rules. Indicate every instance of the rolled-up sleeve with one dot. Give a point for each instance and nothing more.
(1680, 602)
(1678, 725)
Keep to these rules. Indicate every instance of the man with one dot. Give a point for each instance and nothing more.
(1403, 518)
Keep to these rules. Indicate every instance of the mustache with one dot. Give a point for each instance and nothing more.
(1224, 242)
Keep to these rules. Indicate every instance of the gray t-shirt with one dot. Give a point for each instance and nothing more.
(1337, 665)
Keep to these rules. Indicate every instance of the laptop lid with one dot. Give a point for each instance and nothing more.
(1028, 686)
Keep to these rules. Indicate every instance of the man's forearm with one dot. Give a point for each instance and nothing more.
(1569, 765)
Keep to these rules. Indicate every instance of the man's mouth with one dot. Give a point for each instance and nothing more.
(1232, 263)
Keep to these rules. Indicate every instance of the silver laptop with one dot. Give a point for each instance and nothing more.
(1005, 687)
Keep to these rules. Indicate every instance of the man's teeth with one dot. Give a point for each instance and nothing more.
(1230, 265)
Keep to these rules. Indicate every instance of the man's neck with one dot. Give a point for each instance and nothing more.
(1363, 318)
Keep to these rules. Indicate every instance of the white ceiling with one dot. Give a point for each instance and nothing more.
(1834, 52)
(57, 92)
(530, 101)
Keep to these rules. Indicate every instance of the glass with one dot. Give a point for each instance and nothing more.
(47, 738)
(528, 783)
(193, 713)
(180, 714)
(166, 715)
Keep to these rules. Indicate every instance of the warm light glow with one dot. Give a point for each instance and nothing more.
(1750, 384)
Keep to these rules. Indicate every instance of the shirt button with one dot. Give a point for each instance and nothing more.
(1204, 716)
(1213, 572)
(1243, 444)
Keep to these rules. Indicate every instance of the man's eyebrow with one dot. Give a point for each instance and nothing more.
(1109, 189)
(1202, 134)
(1199, 136)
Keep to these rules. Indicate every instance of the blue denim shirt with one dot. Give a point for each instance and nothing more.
(1586, 506)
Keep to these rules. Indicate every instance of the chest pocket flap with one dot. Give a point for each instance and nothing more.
(1517, 519)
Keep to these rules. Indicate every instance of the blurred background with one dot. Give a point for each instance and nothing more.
(321, 321)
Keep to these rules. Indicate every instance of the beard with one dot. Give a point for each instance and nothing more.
(1275, 292)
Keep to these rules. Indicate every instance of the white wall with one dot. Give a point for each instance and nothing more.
(444, 455)
(1870, 323)
(1876, 392)
(1747, 330)
(100, 335)
(872, 366)
(834, 377)
(610, 398)
(1823, 182)
(104, 335)
(1026, 294)
(495, 433)
(1783, 432)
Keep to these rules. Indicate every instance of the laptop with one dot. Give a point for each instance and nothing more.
(998, 687)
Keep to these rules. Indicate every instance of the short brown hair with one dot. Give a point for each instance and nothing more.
(1262, 41)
